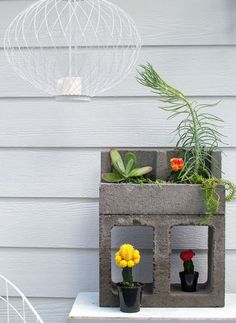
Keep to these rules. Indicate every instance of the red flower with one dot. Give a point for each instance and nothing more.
(187, 255)
(176, 164)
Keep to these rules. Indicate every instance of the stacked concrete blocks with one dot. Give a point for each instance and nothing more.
(162, 208)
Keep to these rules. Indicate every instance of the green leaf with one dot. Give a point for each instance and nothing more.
(198, 129)
(130, 162)
(117, 161)
(140, 171)
(112, 177)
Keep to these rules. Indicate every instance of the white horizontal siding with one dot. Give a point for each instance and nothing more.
(112, 122)
(72, 223)
(50, 151)
(65, 272)
(52, 310)
(199, 71)
(61, 172)
(164, 22)
(49, 173)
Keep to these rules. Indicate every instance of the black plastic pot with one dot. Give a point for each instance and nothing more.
(130, 298)
(189, 281)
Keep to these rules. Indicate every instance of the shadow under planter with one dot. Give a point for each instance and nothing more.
(162, 208)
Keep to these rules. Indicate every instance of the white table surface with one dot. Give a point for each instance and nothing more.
(86, 308)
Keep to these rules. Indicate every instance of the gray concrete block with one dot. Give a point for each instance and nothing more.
(161, 208)
(154, 199)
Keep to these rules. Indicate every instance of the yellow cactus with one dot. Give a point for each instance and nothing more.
(137, 260)
(136, 254)
(127, 256)
(130, 263)
(123, 264)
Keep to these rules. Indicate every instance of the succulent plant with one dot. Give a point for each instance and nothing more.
(187, 256)
(126, 258)
(124, 170)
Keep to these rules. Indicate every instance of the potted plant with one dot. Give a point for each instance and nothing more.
(198, 137)
(130, 292)
(181, 186)
(188, 277)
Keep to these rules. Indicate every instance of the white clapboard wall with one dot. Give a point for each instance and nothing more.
(50, 151)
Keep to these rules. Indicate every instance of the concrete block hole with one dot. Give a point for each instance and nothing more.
(141, 237)
(183, 237)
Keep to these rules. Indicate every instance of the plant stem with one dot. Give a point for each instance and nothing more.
(196, 142)
(188, 267)
(127, 276)
(196, 139)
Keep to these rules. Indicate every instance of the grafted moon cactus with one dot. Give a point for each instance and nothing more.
(126, 258)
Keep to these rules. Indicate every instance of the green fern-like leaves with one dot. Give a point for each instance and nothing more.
(199, 136)
(198, 132)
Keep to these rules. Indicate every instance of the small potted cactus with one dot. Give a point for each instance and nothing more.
(130, 292)
(188, 277)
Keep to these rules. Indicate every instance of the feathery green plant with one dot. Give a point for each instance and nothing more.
(199, 136)
(198, 131)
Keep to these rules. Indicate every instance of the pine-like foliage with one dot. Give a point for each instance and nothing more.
(199, 136)
(198, 130)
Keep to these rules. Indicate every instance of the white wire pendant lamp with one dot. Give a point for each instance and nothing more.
(72, 48)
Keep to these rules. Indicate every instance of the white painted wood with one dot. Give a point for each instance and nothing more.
(49, 241)
(161, 23)
(51, 272)
(228, 162)
(68, 223)
(133, 122)
(47, 173)
(71, 223)
(65, 272)
(86, 307)
(230, 225)
(61, 172)
(51, 310)
(48, 223)
(203, 71)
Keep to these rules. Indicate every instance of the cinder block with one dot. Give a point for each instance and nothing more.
(162, 207)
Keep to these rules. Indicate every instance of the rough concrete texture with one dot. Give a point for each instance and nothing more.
(162, 208)
(154, 199)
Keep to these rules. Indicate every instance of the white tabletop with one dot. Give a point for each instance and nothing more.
(86, 308)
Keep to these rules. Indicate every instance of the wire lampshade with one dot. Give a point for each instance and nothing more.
(72, 48)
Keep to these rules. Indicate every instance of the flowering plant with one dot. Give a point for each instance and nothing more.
(126, 258)
(198, 137)
(176, 164)
(187, 256)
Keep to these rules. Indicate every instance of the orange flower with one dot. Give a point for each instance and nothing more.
(176, 164)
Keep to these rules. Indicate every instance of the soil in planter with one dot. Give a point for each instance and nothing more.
(130, 297)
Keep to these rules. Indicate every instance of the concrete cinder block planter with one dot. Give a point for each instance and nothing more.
(161, 207)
